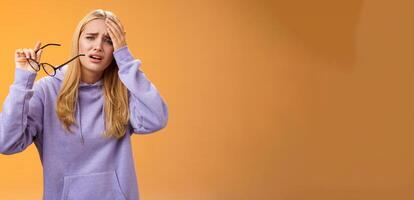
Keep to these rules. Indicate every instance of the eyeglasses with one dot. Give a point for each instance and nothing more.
(48, 68)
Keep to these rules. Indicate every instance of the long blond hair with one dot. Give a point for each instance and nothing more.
(115, 93)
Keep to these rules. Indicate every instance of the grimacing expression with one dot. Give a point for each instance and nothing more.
(96, 44)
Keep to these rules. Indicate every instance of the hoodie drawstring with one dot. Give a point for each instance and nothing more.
(80, 121)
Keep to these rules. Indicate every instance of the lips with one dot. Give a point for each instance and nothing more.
(95, 58)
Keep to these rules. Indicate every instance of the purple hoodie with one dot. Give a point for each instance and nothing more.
(82, 165)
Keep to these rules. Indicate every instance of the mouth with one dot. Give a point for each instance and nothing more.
(95, 58)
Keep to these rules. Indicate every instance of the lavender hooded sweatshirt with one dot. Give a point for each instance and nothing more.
(82, 165)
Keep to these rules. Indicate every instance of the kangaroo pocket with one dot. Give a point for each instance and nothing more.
(102, 186)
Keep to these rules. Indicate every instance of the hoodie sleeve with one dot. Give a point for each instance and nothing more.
(148, 110)
(20, 119)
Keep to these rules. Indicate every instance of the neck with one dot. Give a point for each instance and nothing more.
(90, 77)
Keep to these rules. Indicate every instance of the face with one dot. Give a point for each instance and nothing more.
(96, 44)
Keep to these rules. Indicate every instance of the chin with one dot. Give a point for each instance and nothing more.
(98, 68)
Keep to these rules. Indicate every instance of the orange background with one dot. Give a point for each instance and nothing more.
(307, 100)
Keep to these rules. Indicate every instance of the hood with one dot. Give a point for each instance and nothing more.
(60, 75)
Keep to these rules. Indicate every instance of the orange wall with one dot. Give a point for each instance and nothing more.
(307, 100)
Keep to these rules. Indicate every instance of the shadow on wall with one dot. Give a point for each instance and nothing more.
(325, 28)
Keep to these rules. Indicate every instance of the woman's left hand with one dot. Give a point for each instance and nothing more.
(116, 32)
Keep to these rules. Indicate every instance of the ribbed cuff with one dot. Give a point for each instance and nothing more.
(23, 78)
(123, 56)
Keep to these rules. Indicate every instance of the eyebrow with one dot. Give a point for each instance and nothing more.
(106, 35)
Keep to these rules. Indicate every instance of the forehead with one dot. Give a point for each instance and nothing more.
(95, 26)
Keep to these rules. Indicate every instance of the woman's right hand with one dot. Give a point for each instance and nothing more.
(21, 55)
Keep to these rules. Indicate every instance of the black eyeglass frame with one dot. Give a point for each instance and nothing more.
(43, 64)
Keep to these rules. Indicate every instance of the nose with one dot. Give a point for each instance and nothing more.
(97, 45)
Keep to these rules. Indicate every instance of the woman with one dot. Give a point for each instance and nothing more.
(81, 118)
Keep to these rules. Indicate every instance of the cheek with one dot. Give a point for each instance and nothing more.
(110, 51)
(81, 46)
(109, 48)
(84, 44)
(109, 60)
(82, 61)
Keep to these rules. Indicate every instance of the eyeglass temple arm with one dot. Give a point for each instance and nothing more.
(53, 44)
(69, 61)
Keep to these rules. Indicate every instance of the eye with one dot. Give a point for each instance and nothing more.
(109, 41)
(89, 38)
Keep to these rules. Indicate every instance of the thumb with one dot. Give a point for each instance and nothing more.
(38, 55)
(37, 45)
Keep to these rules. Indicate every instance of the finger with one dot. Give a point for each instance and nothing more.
(37, 45)
(38, 55)
(19, 54)
(115, 24)
(119, 24)
(114, 28)
(32, 54)
(112, 35)
(111, 27)
(26, 53)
